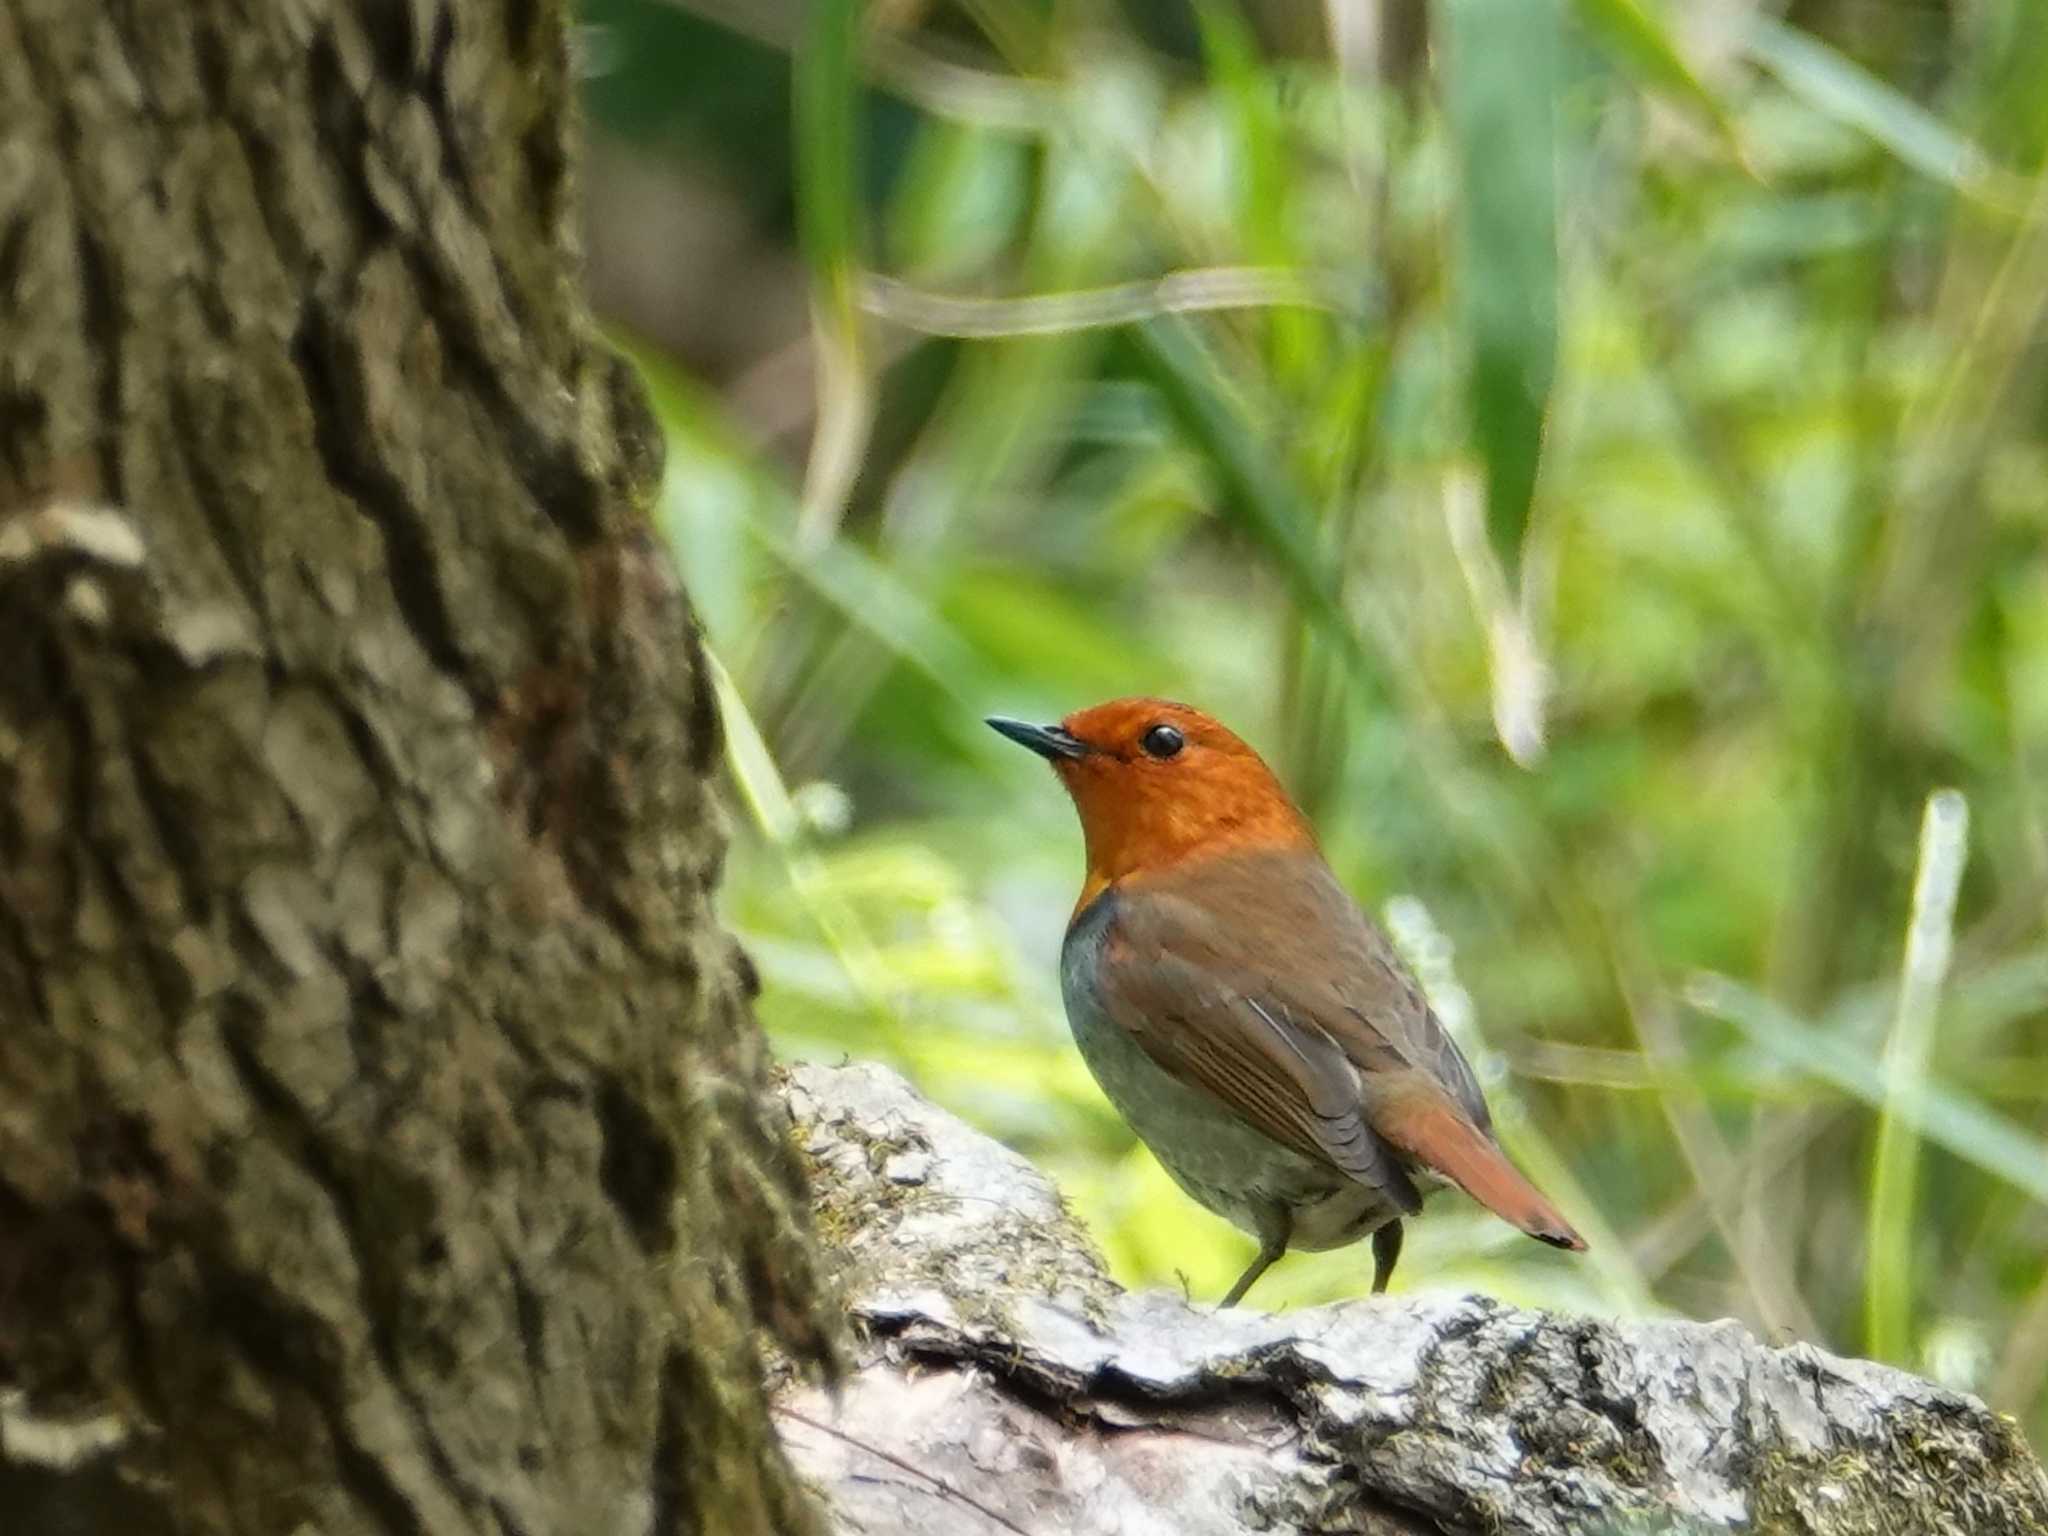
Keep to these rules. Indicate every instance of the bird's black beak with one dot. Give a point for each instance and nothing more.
(1048, 741)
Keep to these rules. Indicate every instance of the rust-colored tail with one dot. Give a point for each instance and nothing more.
(1435, 1134)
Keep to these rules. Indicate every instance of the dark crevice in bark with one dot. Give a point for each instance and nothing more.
(707, 730)
(388, 25)
(13, 248)
(434, 90)
(217, 504)
(392, 1188)
(531, 1318)
(238, 1034)
(281, 1339)
(546, 465)
(364, 1476)
(507, 1523)
(547, 170)
(214, 307)
(65, 700)
(163, 986)
(138, 1351)
(87, 1500)
(323, 362)
(210, 59)
(103, 331)
(643, 450)
(216, 82)
(98, 314)
(23, 1005)
(668, 1472)
(637, 1166)
(521, 19)
(343, 137)
(362, 736)
(24, 421)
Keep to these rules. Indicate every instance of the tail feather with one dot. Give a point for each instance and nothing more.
(1439, 1137)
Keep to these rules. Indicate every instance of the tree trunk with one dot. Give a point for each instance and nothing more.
(379, 1146)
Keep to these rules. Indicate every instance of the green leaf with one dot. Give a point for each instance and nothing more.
(828, 161)
(1834, 86)
(1894, 1180)
(1943, 1115)
(1501, 76)
(874, 599)
(1642, 40)
(1257, 493)
(1263, 172)
(828, 148)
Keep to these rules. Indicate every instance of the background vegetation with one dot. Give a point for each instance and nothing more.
(1016, 354)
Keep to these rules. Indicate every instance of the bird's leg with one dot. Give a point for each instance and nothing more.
(1273, 1236)
(1386, 1253)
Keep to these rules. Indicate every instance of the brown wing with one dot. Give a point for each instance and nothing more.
(1256, 975)
(1164, 973)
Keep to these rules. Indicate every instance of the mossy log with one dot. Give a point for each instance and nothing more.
(1004, 1384)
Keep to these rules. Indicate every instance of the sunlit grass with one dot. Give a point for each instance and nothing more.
(1138, 373)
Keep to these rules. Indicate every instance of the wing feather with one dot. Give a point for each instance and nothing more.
(1266, 986)
(1255, 1055)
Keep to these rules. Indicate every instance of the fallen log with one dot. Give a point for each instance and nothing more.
(1001, 1382)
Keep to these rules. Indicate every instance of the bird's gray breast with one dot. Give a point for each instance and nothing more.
(1218, 1158)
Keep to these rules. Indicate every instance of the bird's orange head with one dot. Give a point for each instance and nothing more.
(1157, 783)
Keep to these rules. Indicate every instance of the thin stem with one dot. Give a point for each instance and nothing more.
(1888, 1270)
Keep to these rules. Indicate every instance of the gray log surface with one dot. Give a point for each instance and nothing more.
(1003, 1383)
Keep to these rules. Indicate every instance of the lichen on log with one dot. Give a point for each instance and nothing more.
(1004, 1383)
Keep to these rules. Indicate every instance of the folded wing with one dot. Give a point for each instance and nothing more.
(1271, 990)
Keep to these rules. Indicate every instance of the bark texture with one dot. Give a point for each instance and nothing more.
(1003, 1384)
(379, 1135)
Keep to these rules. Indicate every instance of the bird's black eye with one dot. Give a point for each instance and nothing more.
(1162, 741)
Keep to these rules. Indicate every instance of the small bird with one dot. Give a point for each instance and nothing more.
(1254, 1027)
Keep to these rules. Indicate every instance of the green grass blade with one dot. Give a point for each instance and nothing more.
(1951, 1120)
(751, 764)
(1257, 493)
(827, 100)
(1501, 78)
(828, 182)
(874, 600)
(1642, 40)
(1188, 291)
(1266, 173)
(1840, 89)
(1888, 1267)
(774, 810)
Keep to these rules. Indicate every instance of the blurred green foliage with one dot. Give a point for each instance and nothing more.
(1665, 402)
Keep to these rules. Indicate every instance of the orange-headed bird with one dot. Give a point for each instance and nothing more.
(1255, 1028)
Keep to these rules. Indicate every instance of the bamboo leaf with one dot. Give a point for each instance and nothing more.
(1641, 38)
(1840, 89)
(828, 166)
(1888, 1269)
(1501, 72)
(1941, 1114)
(827, 83)
(1257, 493)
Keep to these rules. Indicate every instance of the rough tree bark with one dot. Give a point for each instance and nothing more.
(379, 1147)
